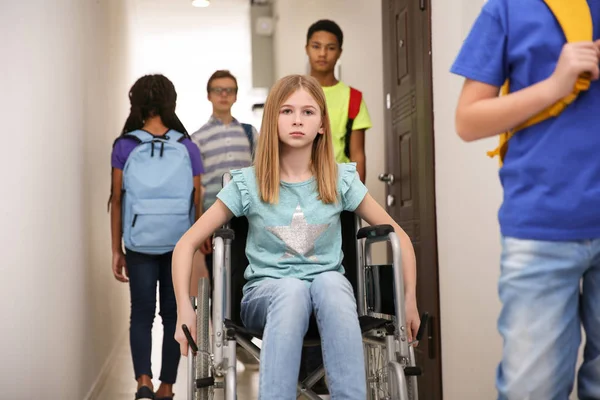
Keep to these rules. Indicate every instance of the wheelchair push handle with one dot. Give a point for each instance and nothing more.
(190, 339)
(421, 331)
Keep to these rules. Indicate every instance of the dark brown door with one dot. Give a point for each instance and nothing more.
(409, 175)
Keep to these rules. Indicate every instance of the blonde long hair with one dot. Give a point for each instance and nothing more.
(323, 164)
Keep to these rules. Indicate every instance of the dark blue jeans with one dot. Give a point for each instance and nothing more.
(145, 271)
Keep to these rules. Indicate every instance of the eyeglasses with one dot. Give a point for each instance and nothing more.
(220, 90)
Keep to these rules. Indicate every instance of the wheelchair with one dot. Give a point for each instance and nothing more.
(390, 363)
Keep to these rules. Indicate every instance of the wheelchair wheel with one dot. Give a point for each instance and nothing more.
(377, 373)
(411, 381)
(202, 331)
(385, 378)
(397, 381)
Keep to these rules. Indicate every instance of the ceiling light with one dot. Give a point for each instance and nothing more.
(201, 3)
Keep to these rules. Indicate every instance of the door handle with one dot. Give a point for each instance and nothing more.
(387, 178)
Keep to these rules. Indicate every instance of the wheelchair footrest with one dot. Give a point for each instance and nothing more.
(205, 382)
(412, 371)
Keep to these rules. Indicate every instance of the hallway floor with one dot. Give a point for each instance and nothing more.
(120, 384)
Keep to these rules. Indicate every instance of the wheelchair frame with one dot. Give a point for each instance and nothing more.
(217, 358)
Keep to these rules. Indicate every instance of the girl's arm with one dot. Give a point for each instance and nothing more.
(115, 210)
(215, 217)
(118, 258)
(374, 214)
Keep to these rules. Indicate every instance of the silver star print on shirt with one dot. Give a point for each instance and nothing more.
(300, 236)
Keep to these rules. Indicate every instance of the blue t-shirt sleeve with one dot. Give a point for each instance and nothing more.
(352, 190)
(235, 194)
(483, 57)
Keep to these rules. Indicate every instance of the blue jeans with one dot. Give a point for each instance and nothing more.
(283, 307)
(548, 290)
(144, 272)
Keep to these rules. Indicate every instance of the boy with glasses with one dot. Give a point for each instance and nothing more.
(225, 144)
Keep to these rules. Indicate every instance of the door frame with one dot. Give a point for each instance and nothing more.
(420, 39)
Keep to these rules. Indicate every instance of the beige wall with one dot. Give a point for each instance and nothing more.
(468, 196)
(106, 85)
(188, 44)
(62, 311)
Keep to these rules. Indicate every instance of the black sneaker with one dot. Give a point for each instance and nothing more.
(144, 393)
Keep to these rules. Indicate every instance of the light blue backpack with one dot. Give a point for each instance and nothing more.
(158, 193)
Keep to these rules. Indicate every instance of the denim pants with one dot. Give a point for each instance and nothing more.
(145, 271)
(548, 291)
(283, 307)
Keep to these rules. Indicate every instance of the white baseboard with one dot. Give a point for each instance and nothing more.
(98, 384)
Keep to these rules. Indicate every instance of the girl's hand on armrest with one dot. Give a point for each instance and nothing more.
(185, 316)
(413, 320)
(206, 247)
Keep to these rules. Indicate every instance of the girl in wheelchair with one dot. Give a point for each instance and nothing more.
(292, 198)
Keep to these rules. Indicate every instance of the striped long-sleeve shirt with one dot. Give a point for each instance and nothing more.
(223, 148)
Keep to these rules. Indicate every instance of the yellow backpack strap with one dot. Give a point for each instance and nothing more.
(575, 19)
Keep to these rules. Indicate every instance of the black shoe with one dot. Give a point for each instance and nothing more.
(144, 393)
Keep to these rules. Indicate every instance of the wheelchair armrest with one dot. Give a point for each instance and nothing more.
(377, 232)
(225, 233)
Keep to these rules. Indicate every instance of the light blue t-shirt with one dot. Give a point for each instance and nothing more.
(298, 237)
(551, 173)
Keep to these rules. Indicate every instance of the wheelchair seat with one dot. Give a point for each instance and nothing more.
(349, 228)
(312, 337)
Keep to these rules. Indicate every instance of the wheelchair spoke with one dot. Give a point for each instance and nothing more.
(378, 376)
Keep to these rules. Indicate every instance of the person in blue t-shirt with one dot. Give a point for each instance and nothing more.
(550, 215)
(293, 198)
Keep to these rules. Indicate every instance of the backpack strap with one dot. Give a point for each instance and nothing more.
(353, 109)
(175, 136)
(575, 20)
(127, 135)
(140, 136)
(250, 136)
